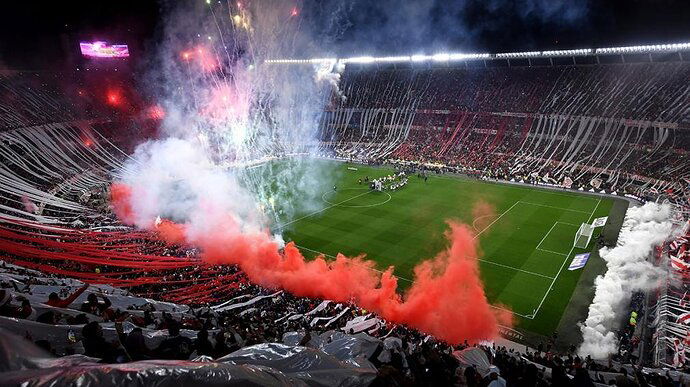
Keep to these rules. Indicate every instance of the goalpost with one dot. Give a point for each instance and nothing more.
(583, 235)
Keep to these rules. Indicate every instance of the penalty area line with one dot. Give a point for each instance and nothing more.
(556, 208)
(529, 316)
(514, 268)
(563, 264)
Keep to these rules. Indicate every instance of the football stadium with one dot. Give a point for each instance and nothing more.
(345, 193)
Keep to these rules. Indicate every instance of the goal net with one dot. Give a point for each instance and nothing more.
(583, 236)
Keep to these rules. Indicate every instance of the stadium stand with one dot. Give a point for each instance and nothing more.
(583, 123)
(671, 304)
(620, 128)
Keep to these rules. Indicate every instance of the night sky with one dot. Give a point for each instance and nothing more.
(41, 34)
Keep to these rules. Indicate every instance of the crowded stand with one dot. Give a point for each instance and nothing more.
(76, 283)
(100, 323)
(28, 99)
(638, 91)
(670, 306)
(617, 128)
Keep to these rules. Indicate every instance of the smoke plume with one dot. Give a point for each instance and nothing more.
(628, 270)
(446, 299)
(221, 96)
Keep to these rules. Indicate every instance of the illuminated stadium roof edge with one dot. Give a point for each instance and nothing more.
(446, 57)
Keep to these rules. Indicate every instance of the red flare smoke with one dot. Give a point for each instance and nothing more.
(120, 200)
(446, 299)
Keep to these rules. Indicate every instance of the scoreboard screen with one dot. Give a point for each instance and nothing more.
(103, 50)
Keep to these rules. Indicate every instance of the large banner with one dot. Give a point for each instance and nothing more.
(579, 261)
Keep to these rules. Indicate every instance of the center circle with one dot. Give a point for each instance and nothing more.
(345, 202)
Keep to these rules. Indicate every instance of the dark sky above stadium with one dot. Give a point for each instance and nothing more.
(40, 34)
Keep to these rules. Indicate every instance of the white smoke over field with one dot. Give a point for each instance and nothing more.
(229, 112)
(628, 270)
(172, 179)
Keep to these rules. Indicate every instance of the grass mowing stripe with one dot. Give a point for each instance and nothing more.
(514, 185)
(545, 235)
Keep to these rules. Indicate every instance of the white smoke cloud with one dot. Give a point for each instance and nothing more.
(174, 179)
(330, 72)
(628, 270)
(229, 112)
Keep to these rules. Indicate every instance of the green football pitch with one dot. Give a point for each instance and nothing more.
(526, 246)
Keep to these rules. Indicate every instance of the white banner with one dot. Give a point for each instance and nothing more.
(598, 222)
(596, 183)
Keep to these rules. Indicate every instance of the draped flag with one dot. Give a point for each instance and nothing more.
(598, 222)
(676, 243)
(679, 264)
(684, 318)
(679, 353)
(596, 183)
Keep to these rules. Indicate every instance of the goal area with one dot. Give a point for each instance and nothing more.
(583, 236)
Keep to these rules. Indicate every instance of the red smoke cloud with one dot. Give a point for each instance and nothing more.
(446, 299)
(120, 200)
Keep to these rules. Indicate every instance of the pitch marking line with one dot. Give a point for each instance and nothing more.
(474, 222)
(495, 220)
(323, 209)
(536, 311)
(535, 204)
(549, 251)
(323, 197)
(594, 210)
(557, 208)
(547, 234)
(515, 268)
(508, 310)
(409, 280)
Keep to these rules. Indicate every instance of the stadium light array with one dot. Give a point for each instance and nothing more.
(645, 49)
(360, 59)
(527, 54)
(542, 54)
(447, 57)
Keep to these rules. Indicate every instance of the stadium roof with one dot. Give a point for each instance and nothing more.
(446, 57)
